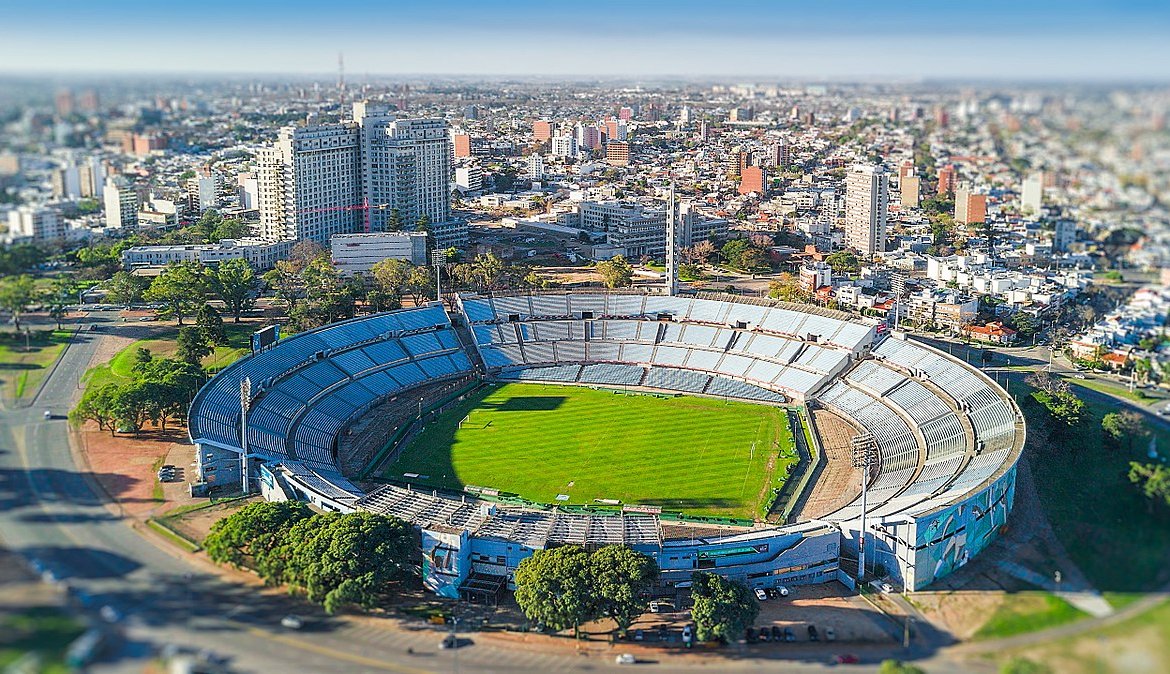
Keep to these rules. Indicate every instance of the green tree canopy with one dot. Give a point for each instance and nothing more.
(843, 262)
(208, 320)
(619, 576)
(348, 560)
(1122, 428)
(235, 283)
(723, 608)
(180, 288)
(193, 345)
(16, 293)
(1153, 479)
(247, 536)
(616, 272)
(125, 288)
(553, 588)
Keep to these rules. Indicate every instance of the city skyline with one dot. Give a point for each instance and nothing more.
(848, 40)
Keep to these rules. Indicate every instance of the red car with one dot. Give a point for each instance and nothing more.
(846, 659)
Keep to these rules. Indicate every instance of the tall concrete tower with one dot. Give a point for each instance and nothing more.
(671, 244)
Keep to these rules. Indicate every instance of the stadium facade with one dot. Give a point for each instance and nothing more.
(947, 438)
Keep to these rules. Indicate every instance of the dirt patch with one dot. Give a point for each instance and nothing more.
(196, 524)
(126, 466)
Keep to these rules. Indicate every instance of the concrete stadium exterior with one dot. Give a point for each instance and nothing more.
(947, 438)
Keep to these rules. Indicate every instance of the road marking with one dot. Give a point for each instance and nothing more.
(336, 654)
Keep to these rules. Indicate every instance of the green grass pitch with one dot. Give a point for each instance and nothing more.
(696, 455)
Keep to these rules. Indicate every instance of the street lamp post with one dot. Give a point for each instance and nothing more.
(863, 450)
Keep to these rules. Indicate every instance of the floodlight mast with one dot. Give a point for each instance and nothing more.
(863, 447)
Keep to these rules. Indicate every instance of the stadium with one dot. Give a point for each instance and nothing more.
(711, 432)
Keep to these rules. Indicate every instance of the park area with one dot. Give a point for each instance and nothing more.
(25, 358)
(578, 445)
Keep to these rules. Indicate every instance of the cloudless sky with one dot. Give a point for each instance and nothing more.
(843, 39)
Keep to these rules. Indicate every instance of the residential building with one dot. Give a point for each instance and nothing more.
(754, 179)
(201, 190)
(946, 180)
(1064, 235)
(908, 196)
(1032, 193)
(358, 253)
(248, 191)
(866, 194)
(469, 178)
(617, 153)
(542, 130)
(564, 146)
(36, 223)
(462, 143)
(535, 167)
(121, 204)
(947, 310)
(970, 207)
(994, 332)
(815, 275)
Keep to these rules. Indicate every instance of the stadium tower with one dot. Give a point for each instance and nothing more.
(671, 244)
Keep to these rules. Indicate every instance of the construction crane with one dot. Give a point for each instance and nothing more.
(365, 207)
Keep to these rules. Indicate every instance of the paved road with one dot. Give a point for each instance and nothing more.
(55, 514)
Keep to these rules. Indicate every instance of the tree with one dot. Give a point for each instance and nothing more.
(751, 258)
(1153, 479)
(616, 272)
(208, 320)
(285, 279)
(1064, 407)
(207, 224)
(390, 276)
(394, 221)
(733, 251)
(553, 589)
(723, 608)
(134, 403)
(843, 262)
(348, 560)
(193, 345)
(181, 288)
(16, 293)
(247, 536)
(620, 576)
(234, 282)
(898, 667)
(787, 287)
(58, 298)
(1118, 426)
(702, 251)
(125, 288)
(176, 383)
(97, 405)
(420, 285)
(230, 228)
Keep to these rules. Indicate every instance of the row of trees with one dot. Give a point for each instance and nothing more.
(161, 391)
(355, 559)
(1065, 410)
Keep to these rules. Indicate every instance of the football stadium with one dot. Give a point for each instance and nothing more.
(773, 443)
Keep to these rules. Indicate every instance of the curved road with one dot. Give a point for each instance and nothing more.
(53, 513)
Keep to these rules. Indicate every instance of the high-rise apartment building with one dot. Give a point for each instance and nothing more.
(753, 179)
(542, 130)
(970, 208)
(866, 194)
(564, 146)
(39, 223)
(1032, 194)
(909, 191)
(535, 167)
(617, 153)
(317, 181)
(462, 143)
(121, 204)
(946, 180)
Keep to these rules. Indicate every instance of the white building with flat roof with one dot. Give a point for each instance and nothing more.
(259, 253)
(358, 253)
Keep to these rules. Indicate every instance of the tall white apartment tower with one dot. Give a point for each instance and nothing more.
(535, 167)
(309, 185)
(866, 194)
(1032, 194)
(121, 204)
(416, 176)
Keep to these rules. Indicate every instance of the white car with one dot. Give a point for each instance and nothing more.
(625, 659)
(292, 622)
(783, 591)
(761, 594)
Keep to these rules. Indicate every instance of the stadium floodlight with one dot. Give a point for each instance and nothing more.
(864, 452)
(245, 405)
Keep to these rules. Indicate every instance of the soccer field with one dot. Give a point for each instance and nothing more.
(696, 455)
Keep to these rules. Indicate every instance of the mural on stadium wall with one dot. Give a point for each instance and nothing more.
(948, 539)
(445, 562)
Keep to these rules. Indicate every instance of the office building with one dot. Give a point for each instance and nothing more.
(1032, 193)
(358, 253)
(866, 195)
(970, 207)
(121, 204)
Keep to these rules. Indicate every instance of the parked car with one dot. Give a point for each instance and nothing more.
(761, 595)
(846, 659)
(449, 642)
(777, 633)
(292, 622)
(688, 634)
(763, 636)
(639, 635)
(812, 633)
(750, 634)
(789, 635)
(625, 659)
(782, 591)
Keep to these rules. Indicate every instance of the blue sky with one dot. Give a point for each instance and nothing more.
(842, 39)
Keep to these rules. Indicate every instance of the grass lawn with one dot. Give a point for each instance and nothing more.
(44, 630)
(1028, 612)
(1112, 389)
(22, 371)
(120, 369)
(697, 455)
(1101, 518)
